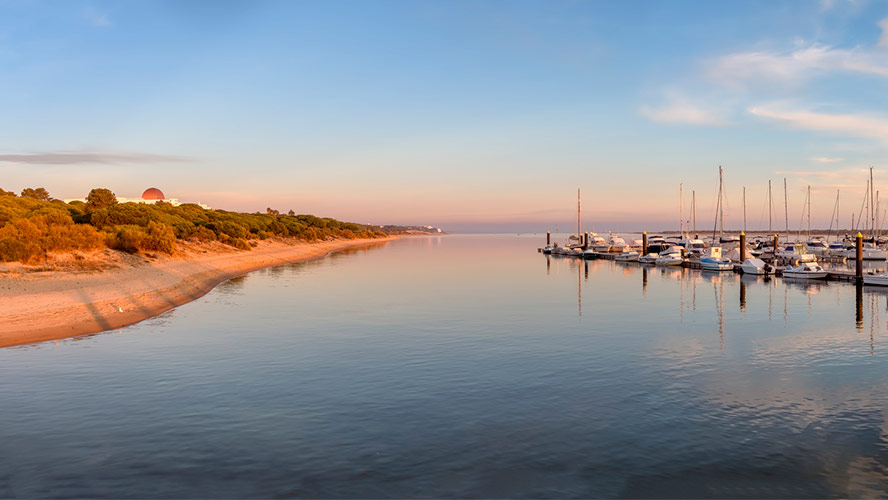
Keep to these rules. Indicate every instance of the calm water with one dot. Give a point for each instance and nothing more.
(463, 366)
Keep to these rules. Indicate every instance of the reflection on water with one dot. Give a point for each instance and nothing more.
(455, 367)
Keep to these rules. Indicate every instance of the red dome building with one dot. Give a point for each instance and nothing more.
(153, 194)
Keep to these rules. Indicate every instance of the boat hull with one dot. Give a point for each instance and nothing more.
(879, 280)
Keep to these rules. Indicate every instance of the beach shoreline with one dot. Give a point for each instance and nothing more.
(52, 305)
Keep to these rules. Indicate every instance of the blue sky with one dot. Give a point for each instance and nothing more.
(470, 115)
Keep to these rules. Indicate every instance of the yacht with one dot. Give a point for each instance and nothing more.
(806, 270)
(650, 258)
(618, 245)
(671, 256)
(714, 261)
(836, 249)
(797, 252)
(817, 246)
(631, 256)
(756, 266)
(870, 252)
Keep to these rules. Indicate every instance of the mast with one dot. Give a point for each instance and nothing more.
(786, 208)
(721, 209)
(770, 206)
(681, 209)
(579, 233)
(694, 211)
(809, 213)
(872, 212)
(744, 209)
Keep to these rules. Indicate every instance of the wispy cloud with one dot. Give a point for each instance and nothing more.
(797, 66)
(680, 110)
(855, 125)
(825, 159)
(883, 40)
(73, 158)
(96, 18)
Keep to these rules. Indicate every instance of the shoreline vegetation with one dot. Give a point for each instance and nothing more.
(71, 269)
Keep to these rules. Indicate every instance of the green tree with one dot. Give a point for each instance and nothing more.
(291, 213)
(38, 194)
(100, 198)
(6, 193)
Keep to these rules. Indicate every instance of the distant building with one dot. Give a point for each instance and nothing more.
(150, 196)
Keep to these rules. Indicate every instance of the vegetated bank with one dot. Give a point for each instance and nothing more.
(34, 224)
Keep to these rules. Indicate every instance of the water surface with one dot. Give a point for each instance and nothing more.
(463, 366)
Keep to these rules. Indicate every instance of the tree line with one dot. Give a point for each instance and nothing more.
(34, 224)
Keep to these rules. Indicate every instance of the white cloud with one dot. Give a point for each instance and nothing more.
(858, 125)
(824, 159)
(681, 111)
(794, 67)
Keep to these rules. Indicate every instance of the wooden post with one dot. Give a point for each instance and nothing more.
(776, 245)
(548, 238)
(858, 317)
(644, 243)
(585, 241)
(859, 258)
(742, 246)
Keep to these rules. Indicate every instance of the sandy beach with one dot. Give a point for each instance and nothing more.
(88, 293)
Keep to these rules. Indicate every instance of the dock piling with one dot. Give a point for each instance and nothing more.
(859, 258)
(776, 245)
(742, 246)
(548, 238)
(585, 241)
(644, 243)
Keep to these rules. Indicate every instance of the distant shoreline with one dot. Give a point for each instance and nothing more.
(53, 305)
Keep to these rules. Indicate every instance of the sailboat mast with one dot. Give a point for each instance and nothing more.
(809, 213)
(770, 206)
(744, 209)
(786, 208)
(681, 209)
(694, 212)
(721, 208)
(579, 233)
(872, 211)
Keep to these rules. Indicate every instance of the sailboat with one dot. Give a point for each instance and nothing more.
(870, 250)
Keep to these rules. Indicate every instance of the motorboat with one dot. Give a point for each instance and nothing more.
(597, 243)
(618, 245)
(836, 249)
(797, 252)
(671, 256)
(870, 252)
(817, 246)
(631, 256)
(695, 248)
(805, 270)
(756, 266)
(650, 258)
(590, 254)
(714, 261)
(875, 279)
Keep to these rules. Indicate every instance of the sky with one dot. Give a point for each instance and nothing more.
(475, 116)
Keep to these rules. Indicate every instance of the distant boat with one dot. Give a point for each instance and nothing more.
(806, 270)
(870, 252)
(627, 256)
(797, 252)
(650, 258)
(756, 266)
(671, 257)
(714, 261)
(817, 246)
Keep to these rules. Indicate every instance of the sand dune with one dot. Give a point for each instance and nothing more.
(105, 290)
